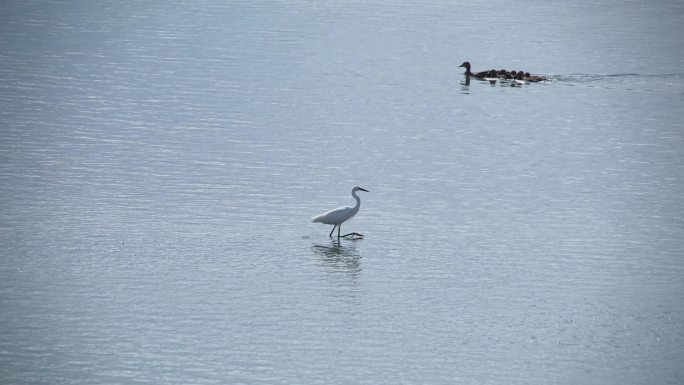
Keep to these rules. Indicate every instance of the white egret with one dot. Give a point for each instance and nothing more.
(339, 215)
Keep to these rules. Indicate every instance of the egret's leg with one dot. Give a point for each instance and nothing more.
(331, 231)
(353, 235)
(338, 231)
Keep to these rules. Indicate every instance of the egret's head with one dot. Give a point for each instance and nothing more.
(357, 188)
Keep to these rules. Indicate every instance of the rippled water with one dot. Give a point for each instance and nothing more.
(160, 163)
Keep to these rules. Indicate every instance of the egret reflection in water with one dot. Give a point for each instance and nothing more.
(339, 257)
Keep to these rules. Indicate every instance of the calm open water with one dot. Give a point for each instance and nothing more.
(160, 163)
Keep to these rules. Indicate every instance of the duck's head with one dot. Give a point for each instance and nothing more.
(466, 64)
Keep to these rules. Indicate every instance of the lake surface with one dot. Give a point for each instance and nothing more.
(160, 163)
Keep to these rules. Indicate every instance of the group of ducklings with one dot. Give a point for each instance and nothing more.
(492, 75)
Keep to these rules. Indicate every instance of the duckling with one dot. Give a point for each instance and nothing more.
(491, 76)
(534, 78)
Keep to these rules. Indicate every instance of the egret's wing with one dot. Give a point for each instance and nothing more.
(334, 216)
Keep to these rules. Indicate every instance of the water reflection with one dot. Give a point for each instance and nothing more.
(338, 256)
(465, 85)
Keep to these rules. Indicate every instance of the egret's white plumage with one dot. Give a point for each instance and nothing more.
(339, 215)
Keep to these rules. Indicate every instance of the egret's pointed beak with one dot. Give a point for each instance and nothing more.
(363, 189)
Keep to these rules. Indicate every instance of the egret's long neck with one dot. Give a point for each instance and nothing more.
(358, 202)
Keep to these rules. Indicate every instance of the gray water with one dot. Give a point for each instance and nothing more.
(160, 163)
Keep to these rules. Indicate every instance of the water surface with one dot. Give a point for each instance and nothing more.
(160, 163)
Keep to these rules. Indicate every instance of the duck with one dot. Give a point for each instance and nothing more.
(480, 75)
(503, 74)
